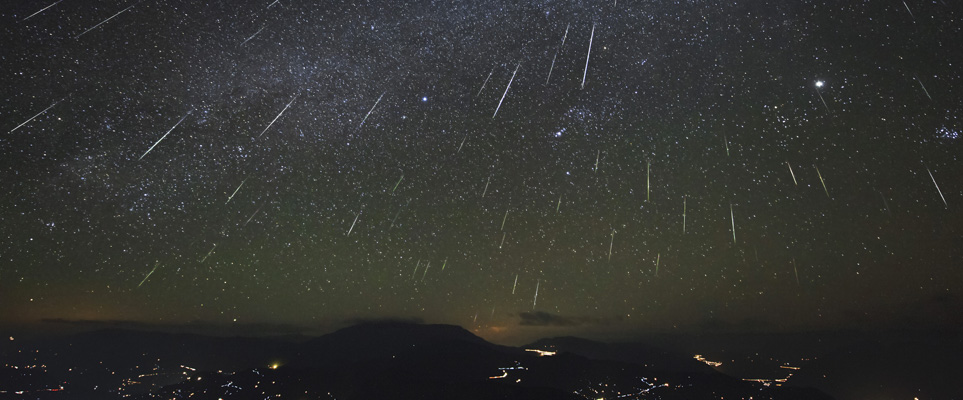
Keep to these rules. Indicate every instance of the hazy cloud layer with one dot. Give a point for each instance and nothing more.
(542, 318)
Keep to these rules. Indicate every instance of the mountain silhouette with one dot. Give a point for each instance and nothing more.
(386, 360)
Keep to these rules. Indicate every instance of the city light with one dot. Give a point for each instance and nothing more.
(709, 363)
(542, 353)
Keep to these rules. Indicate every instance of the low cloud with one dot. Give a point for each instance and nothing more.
(541, 318)
(375, 321)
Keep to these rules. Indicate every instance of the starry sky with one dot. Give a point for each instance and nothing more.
(538, 166)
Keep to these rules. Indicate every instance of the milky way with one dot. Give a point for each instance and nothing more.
(689, 164)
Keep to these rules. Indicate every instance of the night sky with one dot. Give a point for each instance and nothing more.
(545, 167)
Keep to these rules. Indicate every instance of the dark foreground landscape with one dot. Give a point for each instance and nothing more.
(411, 361)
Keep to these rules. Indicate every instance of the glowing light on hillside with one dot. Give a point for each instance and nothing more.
(542, 353)
(709, 363)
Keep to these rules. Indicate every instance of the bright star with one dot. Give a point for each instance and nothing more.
(424, 98)
(820, 83)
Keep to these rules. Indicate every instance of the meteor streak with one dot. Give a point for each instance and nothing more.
(556, 54)
(822, 99)
(535, 301)
(252, 36)
(398, 183)
(165, 135)
(231, 197)
(42, 10)
(105, 21)
(551, 68)
(885, 203)
(791, 173)
(921, 83)
(937, 188)
(148, 275)
(486, 186)
(683, 214)
(209, 253)
(585, 73)
(371, 110)
(279, 116)
(399, 213)
(910, 12)
(352, 223)
(732, 216)
(35, 116)
(252, 215)
(506, 90)
(823, 182)
(485, 82)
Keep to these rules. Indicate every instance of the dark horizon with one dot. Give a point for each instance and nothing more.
(846, 365)
(517, 335)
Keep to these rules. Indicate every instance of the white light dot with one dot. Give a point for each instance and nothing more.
(820, 83)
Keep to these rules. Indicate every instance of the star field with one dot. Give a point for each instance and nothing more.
(784, 166)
